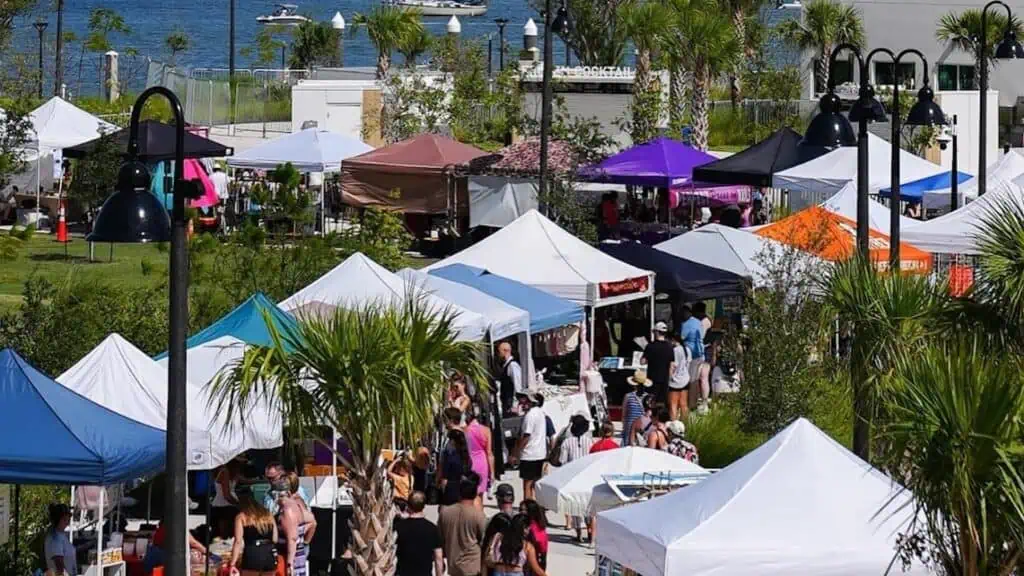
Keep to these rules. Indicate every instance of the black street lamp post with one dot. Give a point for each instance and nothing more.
(1009, 48)
(559, 23)
(925, 112)
(130, 215)
(831, 129)
(955, 188)
(58, 69)
(40, 26)
(501, 22)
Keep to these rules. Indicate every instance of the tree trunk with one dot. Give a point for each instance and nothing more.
(383, 65)
(676, 97)
(739, 22)
(642, 81)
(373, 540)
(700, 96)
(821, 68)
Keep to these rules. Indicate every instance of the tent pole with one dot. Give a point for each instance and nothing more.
(149, 502)
(71, 538)
(593, 316)
(334, 502)
(99, 533)
(17, 521)
(209, 525)
(652, 309)
(39, 176)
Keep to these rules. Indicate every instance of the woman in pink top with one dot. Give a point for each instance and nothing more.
(478, 436)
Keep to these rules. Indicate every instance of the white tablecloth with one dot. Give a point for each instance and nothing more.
(560, 406)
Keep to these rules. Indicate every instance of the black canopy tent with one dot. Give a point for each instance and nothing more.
(756, 165)
(156, 143)
(691, 280)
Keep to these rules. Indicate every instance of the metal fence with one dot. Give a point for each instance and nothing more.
(259, 101)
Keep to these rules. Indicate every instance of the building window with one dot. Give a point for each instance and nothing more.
(842, 72)
(884, 74)
(956, 77)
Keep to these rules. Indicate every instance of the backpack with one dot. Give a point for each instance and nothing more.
(555, 455)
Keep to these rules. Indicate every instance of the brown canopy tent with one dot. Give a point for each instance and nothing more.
(414, 176)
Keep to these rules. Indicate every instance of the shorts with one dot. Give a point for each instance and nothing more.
(695, 365)
(675, 386)
(531, 469)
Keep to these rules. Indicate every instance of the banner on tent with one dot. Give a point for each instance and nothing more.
(961, 278)
(58, 164)
(622, 287)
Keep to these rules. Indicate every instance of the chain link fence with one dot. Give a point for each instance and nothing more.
(259, 102)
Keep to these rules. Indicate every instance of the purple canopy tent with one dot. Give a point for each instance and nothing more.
(661, 163)
(665, 163)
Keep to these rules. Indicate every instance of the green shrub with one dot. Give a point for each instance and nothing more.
(719, 439)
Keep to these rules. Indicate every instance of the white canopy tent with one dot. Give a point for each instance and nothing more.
(844, 203)
(568, 489)
(309, 150)
(536, 251)
(496, 201)
(955, 232)
(504, 319)
(261, 427)
(826, 175)
(799, 504)
(725, 248)
(1001, 174)
(123, 379)
(359, 281)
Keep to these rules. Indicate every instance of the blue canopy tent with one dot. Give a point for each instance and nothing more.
(915, 191)
(51, 435)
(692, 280)
(546, 310)
(245, 322)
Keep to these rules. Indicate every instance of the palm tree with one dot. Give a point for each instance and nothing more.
(826, 24)
(315, 44)
(645, 23)
(387, 26)
(177, 42)
(953, 439)
(888, 314)
(704, 42)
(368, 373)
(962, 31)
(415, 45)
(740, 11)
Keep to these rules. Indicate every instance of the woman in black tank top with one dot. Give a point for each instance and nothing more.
(255, 534)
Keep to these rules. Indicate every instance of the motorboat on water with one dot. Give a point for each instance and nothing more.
(442, 7)
(284, 15)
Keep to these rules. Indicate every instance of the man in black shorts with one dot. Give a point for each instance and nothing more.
(532, 448)
(658, 357)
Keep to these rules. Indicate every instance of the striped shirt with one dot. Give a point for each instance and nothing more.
(576, 447)
(632, 409)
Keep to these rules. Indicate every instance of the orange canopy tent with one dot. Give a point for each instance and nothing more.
(833, 237)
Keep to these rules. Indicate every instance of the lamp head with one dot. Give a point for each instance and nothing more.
(1009, 48)
(131, 214)
(561, 24)
(867, 107)
(925, 111)
(829, 128)
(40, 25)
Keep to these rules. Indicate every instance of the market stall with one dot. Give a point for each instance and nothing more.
(1003, 174)
(756, 165)
(309, 150)
(726, 248)
(813, 181)
(569, 488)
(680, 277)
(928, 191)
(52, 435)
(246, 322)
(359, 281)
(156, 143)
(844, 203)
(503, 186)
(799, 504)
(833, 237)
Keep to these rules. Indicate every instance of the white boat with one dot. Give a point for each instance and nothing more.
(442, 7)
(284, 15)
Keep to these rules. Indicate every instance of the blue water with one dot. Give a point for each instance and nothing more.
(207, 25)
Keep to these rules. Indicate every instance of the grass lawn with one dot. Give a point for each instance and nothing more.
(44, 257)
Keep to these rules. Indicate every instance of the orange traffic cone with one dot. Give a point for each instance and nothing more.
(62, 224)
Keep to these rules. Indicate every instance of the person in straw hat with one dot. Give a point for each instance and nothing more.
(632, 406)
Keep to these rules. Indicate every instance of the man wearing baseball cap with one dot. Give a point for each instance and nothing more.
(506, 496)
(532, 448)
(658, 357)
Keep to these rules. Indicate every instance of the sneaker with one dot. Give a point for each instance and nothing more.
(702, 408)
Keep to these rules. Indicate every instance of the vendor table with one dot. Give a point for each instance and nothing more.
(561, 402)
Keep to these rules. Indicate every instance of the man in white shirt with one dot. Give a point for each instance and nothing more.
(220, 184)
(532, 448)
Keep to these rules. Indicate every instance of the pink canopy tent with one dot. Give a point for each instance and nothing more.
(194, 171)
